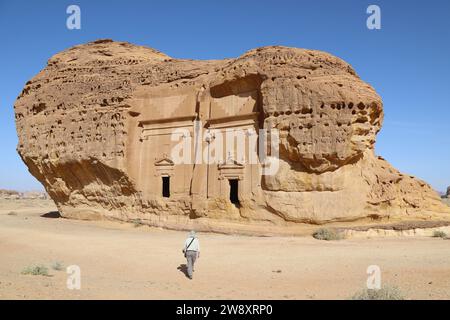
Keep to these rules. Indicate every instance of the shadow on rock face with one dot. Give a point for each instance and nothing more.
(51, 214)
(183, 268)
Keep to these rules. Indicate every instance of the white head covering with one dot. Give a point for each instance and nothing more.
(192, 234)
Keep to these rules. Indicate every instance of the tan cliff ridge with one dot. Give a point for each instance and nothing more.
(96, 128)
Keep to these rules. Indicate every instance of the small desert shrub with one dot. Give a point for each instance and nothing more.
(439, 234)
(57, 266)
(137, 223)
(384, 293)
(327, 234)
(38, 270)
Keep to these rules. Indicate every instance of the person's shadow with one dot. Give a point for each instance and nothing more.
(183, 268)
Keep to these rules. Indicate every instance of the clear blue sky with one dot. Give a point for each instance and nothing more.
(407, 61)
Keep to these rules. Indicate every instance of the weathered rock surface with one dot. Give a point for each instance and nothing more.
(448, 192)
(86, 128)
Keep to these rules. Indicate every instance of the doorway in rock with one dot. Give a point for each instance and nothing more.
(234, 191)
(166, 187)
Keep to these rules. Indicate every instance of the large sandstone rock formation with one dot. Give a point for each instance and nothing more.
(94, 127)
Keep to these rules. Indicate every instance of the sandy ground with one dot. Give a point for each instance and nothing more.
(121, 261)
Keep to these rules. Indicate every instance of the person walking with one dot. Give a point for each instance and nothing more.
(191, 252)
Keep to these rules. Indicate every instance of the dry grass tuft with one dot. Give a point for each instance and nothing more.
(385, 293)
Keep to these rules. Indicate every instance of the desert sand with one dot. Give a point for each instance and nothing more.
(123, 261)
